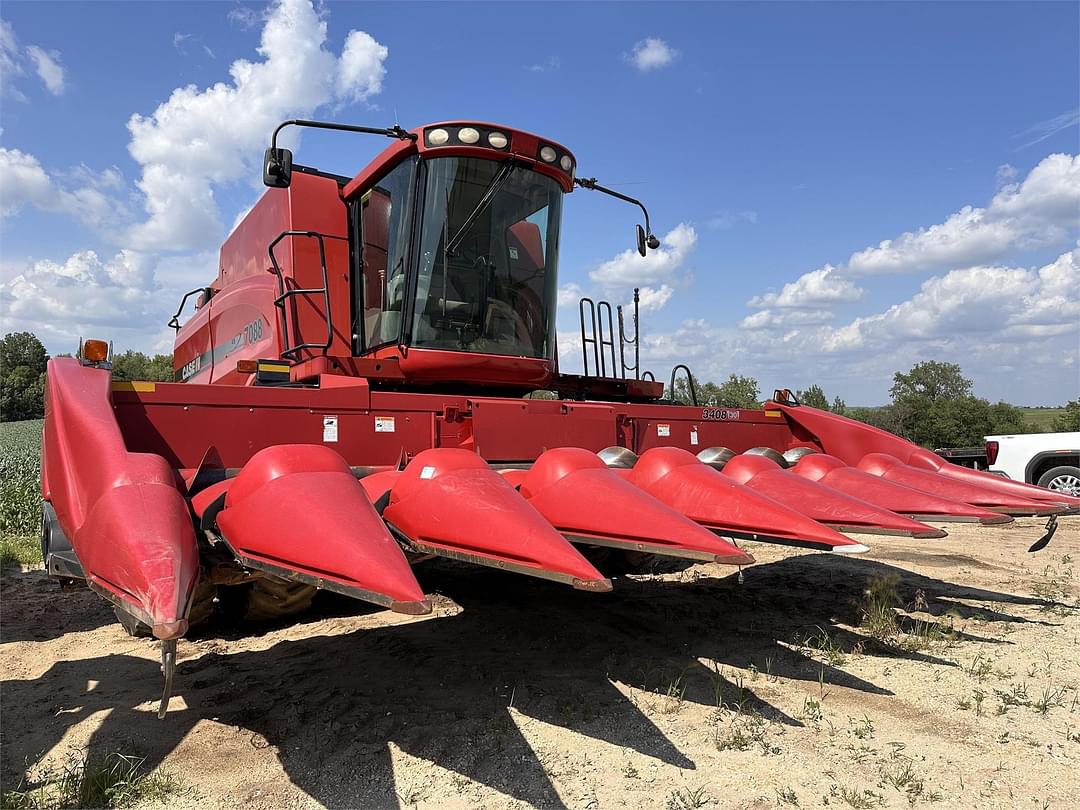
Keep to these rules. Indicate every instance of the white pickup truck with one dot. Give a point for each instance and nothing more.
(1050, 460)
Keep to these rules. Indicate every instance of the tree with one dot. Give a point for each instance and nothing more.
(813, 397)
(22, 377)
(931, 381)
(955, 422)
(839, 406)
(1068, 421)
(736, 392)
(915, 393)
(885, 417)
(133, 365)
(1007, 419)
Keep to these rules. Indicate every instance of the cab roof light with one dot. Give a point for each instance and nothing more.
(466, 135)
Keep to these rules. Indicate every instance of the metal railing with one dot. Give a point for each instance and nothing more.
(290, 352)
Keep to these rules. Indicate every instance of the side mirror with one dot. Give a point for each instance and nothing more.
(653, 242)
(641, 240)
(277, 168)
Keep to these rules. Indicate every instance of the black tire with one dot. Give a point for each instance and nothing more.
(270, 598)
(1064, 479)
(202, 609)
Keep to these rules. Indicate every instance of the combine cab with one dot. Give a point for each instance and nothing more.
(350, 398)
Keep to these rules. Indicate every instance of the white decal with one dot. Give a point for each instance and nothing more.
(427, 472)
(693, 436)
(663, 430)
(329, 429)
(384, 424)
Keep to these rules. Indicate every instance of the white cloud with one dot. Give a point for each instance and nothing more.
(986, 304)
(772, 319)
(361, 70)
(548, 65)
(651, 299)
(1040, 211)
(652, 53)
(87, 196)
(14, 60)
(194, 143)
(570, 294)
(823, 286)
(48, 67)
(199, 139)
(1046, 129)
(81, 296)
(629, 268)
(243, 17)
(725, 220)
(10, 62)
(1015, 331)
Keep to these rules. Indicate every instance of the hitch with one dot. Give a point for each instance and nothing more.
(168, 669)
(1044, 541)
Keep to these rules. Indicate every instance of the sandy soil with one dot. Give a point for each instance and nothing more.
(680, 689)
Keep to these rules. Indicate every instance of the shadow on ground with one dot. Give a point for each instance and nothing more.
(439, 688)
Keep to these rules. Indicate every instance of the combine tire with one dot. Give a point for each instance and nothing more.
(270, 598)
(202, 608)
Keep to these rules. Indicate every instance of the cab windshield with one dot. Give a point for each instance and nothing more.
(489, 237)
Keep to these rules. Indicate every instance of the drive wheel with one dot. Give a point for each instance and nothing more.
(1062, 479)
(271, 598)
(202, 608)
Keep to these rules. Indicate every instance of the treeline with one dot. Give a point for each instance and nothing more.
(932, 405)
(22, 374)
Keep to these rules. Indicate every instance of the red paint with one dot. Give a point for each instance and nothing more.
(453, 503)
(892, 469)
(299, 507)
(898, 498)
(580, 496)
(121, 510)
(677, 478)
(819, 501)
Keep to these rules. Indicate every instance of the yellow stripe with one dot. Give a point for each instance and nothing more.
(774, 413)
(141, 387)
(274, 367)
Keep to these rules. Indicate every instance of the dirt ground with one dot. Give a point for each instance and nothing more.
(678, 690)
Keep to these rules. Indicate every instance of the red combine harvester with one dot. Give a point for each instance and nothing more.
(350, 399)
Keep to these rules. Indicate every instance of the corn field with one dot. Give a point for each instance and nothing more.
(20, 489)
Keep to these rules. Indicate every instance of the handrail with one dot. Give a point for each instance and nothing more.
(174, 321)
(601, 308)
(292, 352)
(689, 383)
(585, 341)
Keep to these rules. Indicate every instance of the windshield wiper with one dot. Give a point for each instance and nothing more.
(485, 200)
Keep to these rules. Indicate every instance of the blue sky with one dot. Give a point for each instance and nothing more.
(777, 144)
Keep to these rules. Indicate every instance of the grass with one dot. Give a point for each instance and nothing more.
(1042, 419)
(687, 799)
(115, 780)
(20, 493)
(885, 623)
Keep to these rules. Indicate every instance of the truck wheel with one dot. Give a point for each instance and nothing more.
(202, 608)
(271, 598)
(1062, 479)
